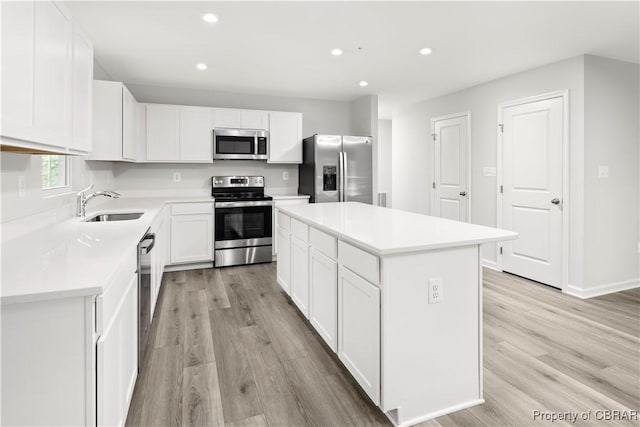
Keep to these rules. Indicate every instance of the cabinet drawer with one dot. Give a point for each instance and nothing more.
(191, 208)
(359, 261)
(284, 221)
(107, 303)
(323, 242)
(300, 230)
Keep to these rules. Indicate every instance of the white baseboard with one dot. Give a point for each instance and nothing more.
(182, 267)
(490, 264)
(607, 288)
(435, 414)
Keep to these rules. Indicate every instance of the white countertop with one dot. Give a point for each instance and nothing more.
(75, 258)
(289, 196)
(385, 231)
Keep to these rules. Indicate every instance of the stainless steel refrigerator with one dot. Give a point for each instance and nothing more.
(337, 168)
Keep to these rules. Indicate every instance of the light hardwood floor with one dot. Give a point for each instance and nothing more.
(229, 348)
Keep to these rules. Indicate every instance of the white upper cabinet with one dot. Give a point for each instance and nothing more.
(116, 123)
(162, 132)
(82, 89)
(254, 119)
(179, 134)
(285, 137)
(196, 134)
(130, 126)
(46, 72)
(241, 119)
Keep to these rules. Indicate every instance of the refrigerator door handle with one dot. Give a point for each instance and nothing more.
(344, 176)
(340, 177)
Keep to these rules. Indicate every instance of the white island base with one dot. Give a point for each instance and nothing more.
(398, 297)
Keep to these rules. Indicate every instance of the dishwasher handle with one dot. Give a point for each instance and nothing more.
(148, 237)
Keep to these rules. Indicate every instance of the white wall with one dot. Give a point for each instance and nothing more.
(155, 178)
(612, 138)
(384, 158)
(364, 122)
(29, 166)
(412, 158)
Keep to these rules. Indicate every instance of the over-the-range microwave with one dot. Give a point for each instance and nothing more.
(240, 144)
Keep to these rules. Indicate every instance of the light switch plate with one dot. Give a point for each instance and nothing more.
(489, 171)
(603, 171)
(436, 290)
(22, 186)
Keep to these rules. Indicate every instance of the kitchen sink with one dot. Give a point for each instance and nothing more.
(114, 217)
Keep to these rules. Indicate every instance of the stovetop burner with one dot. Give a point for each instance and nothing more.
(238, 188)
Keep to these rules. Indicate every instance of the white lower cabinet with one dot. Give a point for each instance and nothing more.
(191, 232)
(277, 203)
(359, 330)
(283, 266)
(158, 258)
(323, 290)
(300, 274)
(117, 360)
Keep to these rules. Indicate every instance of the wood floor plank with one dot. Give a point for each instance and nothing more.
(280, 405)
(216, 293)
(198, 340)
(171, 319)
(201, 400)
(238, 389)
(255, 421)
(163, 391)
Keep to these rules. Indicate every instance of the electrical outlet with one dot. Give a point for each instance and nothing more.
(285, 176)
(603, 171)
(436, 290)
(22, 186)
(177, 177)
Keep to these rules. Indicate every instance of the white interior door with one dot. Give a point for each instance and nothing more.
(532, 147)
(451, 168)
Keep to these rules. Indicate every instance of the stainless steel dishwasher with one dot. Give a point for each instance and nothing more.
(144, 291)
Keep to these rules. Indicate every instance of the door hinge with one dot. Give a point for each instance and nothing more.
(433, 185)
(501, 126)
(500, 250)
(433, 136)
(501, 189)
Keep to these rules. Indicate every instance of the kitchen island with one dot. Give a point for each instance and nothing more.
(397, 296)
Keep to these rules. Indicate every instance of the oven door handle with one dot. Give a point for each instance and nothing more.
(243, 204)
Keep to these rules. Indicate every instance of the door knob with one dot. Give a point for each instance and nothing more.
(463, 193)
(555, 201)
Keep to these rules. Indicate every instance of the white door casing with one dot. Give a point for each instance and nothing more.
(531, 157)
(451, 171)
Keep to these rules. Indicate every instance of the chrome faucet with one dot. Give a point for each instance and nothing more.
(83, 198)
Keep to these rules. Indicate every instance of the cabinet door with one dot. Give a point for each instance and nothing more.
(196, 134)
(130, 125)
(191, 238)
(107, 120)
(300, 274)
(117, 360)
(162, 132)
(254, 119)
(228, 118)
(323, 287)
(52, 75)
(285, 137)
(359, 330)
(17, 68)
(283, 266)
(82, 90)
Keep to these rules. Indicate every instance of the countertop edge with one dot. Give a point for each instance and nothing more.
(402, 249)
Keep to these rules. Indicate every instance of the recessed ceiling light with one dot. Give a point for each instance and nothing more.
(336, 52)
(426, 51)
(364, 83)
(201, 66)
(210, 18)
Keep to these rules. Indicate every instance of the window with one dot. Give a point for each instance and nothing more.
(55, 172)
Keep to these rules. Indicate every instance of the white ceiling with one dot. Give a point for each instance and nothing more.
(283, 48)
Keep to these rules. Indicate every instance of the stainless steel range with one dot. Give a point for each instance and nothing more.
(243, 232)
